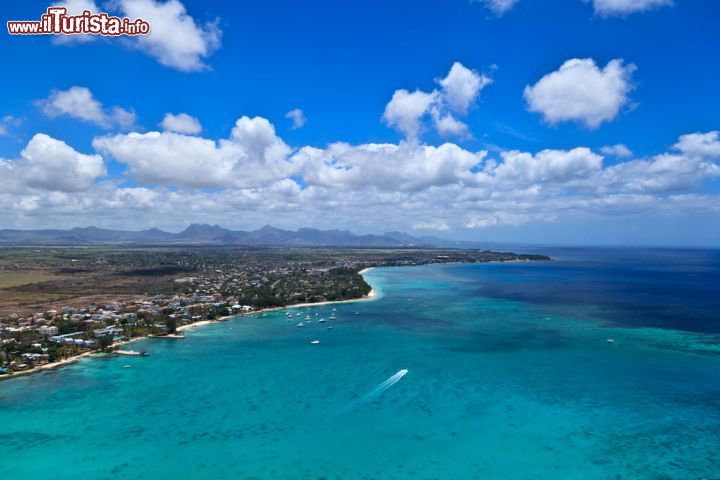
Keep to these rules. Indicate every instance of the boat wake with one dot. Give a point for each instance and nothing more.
(374, 393)
(368, 397)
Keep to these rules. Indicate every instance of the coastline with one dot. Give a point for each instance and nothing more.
(115, 346)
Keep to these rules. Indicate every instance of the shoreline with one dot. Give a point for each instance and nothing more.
(115, 346)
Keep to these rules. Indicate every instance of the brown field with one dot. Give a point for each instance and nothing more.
(17, 279)
(36, 279)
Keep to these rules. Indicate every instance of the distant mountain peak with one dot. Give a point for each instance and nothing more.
(206, 234)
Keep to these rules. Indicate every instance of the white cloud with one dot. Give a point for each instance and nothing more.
(694, 158)
(405, 109)
(125, 119)
(49, 164)
(700, 144)
(625, 7)
(666, 173)
(181, 123)
(546, 167)
(175, 39)
(79, 102)
(580, 91)
(76, 102)
(458, 93)
(75, 7)
(498, 7)
(408, 185)
(8, 121)
(436, 225)
(461, 87)
(253, 155)
(298, 118)
(619, 150)
(388, 167)
(447, 125)
(401, 183)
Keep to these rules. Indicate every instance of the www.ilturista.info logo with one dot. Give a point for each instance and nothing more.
(57, 22)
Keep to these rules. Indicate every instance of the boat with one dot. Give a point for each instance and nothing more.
(610, 340)
(300, 324)
(357, 313)
(322, 320)
(315, 342)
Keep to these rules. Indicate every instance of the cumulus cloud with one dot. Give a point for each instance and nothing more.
(619, 150)
(608, 8)
(706, 145)
(546, 167)
(461, 87)
(581, 91)
(445, 185)
(50, 164)
(181, 123)
(298, 118)
(252, 155)
(693, 159)
(458, 92)
(498, 7)
(405, 110)
(388, 167)
(175, 39)
(449, 126)
(75, 7)
(408, 185)
(79, 102)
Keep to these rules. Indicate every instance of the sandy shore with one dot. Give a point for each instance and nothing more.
(69, 360)
(182, 328)
(369, 296)
(115, 346)
(50, 366)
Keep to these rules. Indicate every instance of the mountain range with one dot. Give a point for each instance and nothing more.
(203, 234)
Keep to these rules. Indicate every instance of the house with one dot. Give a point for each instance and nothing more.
(48, 330)
(244, 308)
(102, 332)
(67, 338)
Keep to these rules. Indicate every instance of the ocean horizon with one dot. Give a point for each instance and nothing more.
(600, 364)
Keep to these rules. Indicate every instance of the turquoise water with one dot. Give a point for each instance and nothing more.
(500, 385)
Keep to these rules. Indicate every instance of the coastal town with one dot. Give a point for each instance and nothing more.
(82, 301)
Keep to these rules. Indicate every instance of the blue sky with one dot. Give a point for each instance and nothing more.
(646, 76)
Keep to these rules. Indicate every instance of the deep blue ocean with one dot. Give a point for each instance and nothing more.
(510, 375)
